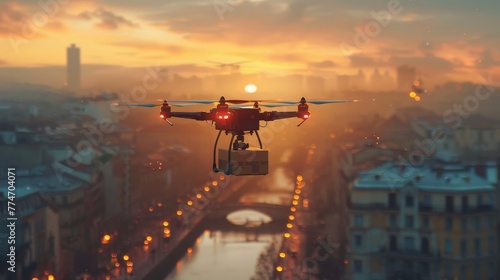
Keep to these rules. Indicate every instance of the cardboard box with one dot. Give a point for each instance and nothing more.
(251, 161)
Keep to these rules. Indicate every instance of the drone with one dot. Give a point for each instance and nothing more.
(237, 118)
(417, 90)
(234, 66)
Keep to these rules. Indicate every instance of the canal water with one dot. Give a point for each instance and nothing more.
(227, 255)
(245, 254)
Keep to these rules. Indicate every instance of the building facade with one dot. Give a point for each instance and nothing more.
(434, 221)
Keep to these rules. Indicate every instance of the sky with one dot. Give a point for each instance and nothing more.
(444, 39)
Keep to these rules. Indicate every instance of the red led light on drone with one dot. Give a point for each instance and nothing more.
(223, 117)
(305, 116)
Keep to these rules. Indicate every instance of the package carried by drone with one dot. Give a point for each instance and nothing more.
(251, 161)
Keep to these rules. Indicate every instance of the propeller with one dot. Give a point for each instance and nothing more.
(261, 102)
(150, 105)
(208, 101)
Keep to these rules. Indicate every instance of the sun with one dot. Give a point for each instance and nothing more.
(250, 88)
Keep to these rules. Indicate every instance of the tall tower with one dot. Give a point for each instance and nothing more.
(73, 68)
(406, 76)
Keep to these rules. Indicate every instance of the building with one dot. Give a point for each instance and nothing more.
(343, 82)
(73, 68)
(37, 234)
(434, 221)
(406, 76)
(315, 84)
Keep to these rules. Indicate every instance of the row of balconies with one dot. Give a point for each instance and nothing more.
(423, 208)
(464, 210)
(415, 254)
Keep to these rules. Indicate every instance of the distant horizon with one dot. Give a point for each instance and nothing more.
(444, 41)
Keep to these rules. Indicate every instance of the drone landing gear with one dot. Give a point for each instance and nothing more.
(235, 144)
(171, 124)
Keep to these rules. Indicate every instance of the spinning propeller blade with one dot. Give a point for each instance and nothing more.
(150, 105)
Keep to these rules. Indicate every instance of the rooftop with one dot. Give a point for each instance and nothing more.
(430, 176)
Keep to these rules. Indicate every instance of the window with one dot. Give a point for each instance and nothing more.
(358, 240)
(465, 204)
(464, 224)
(479, 199)
(477, 271)
(448, 246)
(425, 268)
(463, 272)
(64, 200)
(424, 245)
(409, 201)
(491, 271)
(393, 243)
(463, 247)
(358, 220)
(448, 270)
(477, 246)
(491, 244)
(408, 266)
(427, 200)
(425, 222)
(449, 203)
(393, 220)
(491, 222)
(409, 243)
(392, 200)
(449, 224)
(358, 266)
(477, 223)
(409, 221)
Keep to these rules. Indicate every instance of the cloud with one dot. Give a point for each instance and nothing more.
(150, 46)
(427, 48)
(12, 18)
(486, 59)
(286, 57)
(359, 60)
(107, 20)
(257, 24)
(322, 64)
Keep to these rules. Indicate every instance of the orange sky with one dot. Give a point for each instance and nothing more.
(444, 40)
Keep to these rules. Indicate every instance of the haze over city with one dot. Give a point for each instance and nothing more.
(249, 139)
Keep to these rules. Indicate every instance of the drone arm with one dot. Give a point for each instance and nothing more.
(272, 116)
(199, 116)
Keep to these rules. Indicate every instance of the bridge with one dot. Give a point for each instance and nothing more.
(276, 212)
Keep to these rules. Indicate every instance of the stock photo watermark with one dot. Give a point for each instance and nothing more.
(224, 6)
(325, 249)
(380, 19)
(31, 27)
(453, 119)
(94, 135)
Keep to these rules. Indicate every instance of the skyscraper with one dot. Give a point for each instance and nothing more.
(73, 68)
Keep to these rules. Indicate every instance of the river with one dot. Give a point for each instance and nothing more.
(220, 254)
(224, 255)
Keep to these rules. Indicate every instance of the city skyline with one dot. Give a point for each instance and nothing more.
(189, 33)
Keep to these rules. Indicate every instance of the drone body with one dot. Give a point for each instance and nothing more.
(238, 159)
